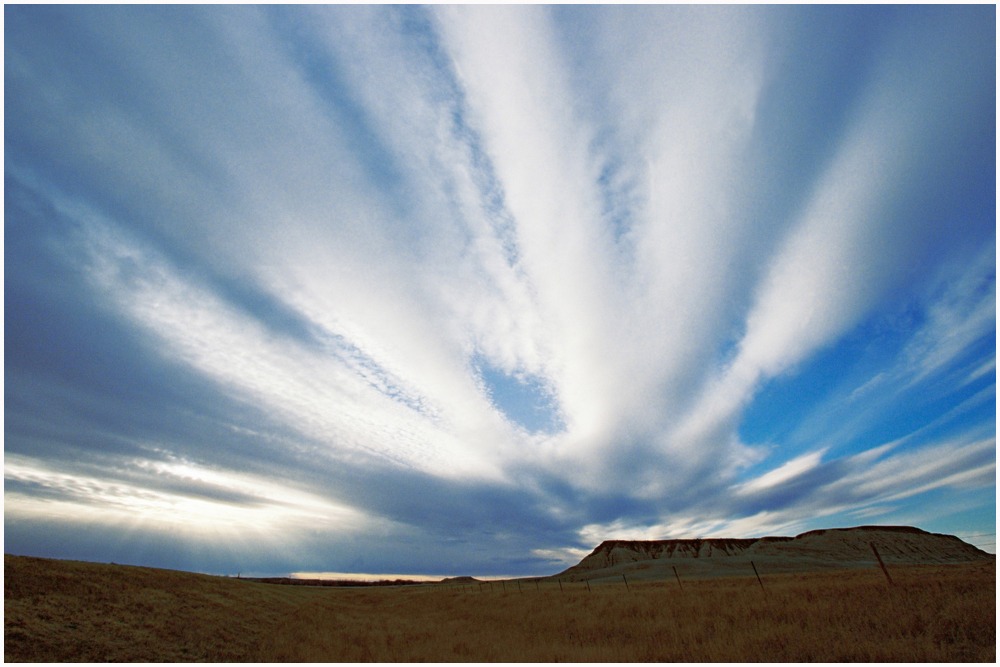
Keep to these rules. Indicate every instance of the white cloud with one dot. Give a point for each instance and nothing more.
(146, 493)
(703, 525)
(323, 394)
(852, 245)
(519, 99)
(787, 471)
(566, 556)
(909, 473)
(936, 359)
(631, 309)
(962, 315)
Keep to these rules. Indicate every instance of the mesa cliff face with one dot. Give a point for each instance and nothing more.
(614, 552)
(815, 549)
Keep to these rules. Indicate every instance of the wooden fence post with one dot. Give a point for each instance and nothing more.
(678, 577)
(588, 587)
(626, 583)
(560, 585)
(758, 577)
(881, 564)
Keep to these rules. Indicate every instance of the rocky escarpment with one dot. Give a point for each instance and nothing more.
(615, 552)
(834, 547)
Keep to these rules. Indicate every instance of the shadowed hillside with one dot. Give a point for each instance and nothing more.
(70, 611)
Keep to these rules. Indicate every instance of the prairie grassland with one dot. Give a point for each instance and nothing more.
(56, 610)
(931, 614)
(67, 611)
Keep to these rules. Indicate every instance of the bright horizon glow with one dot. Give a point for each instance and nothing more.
(357, 576)
(473, 289)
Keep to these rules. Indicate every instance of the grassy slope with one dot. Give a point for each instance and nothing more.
(57, 610)
(90, 612)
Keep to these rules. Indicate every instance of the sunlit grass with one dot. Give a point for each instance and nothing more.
(938, 614)
(932, 614)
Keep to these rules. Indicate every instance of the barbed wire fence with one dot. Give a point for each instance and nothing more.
(976, 540)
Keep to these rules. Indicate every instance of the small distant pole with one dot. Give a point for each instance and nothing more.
(626, 583)
(881, 564)
(536, 584)
(504, 584)
(519, 586)
(560, 585)
(588, 587)
(758, 577)
(678, 577)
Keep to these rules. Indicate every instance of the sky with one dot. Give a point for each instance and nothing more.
(468, 290)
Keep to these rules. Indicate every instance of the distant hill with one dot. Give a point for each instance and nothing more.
(813, 550)
(460, 580)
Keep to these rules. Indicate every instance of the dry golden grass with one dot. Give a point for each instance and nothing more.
(61, 611)
(932, 614)
(90, 612)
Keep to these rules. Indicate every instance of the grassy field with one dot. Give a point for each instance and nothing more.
(59, 611)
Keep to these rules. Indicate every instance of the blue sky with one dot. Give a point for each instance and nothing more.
(446, 290)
